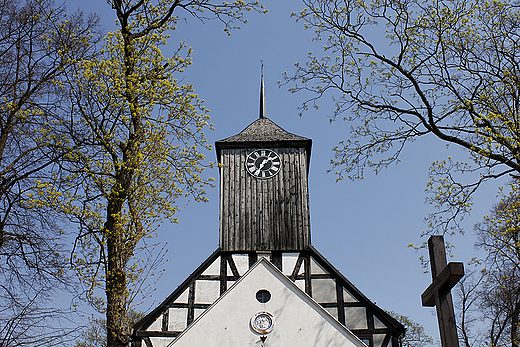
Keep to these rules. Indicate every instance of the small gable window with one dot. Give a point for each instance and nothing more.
(263, 296)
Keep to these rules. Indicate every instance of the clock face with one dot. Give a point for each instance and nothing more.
(263, 163)
(262, 322)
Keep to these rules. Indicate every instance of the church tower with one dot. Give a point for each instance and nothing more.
(264, 200)
(254, 289)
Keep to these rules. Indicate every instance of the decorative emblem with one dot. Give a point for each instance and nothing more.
(262, 322)
(263, 163)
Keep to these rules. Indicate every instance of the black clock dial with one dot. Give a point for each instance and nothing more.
(263, 163)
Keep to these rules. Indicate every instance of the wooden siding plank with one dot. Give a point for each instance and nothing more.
(305, 217)
(293, 200)
(270, 221)
(278, 206)
(286, 200)
(223, 194)
(299, 213)
(242, 221)
(232, 193)
(236, 215)
(264, 229)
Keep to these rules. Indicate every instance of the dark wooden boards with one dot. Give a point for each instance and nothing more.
(264, 214)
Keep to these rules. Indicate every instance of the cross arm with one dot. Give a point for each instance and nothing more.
(448, 277)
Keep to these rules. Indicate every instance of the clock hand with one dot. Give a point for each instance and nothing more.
(262, 164)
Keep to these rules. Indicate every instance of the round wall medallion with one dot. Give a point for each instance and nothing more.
(263, 163)
(262, 322)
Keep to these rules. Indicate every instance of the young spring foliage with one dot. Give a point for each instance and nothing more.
(136, 150)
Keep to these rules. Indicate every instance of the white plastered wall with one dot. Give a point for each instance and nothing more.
(299, 320)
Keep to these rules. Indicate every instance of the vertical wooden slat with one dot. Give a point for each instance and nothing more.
(236, 193)
(232, 193)
(248, 229)
(304, 196)
(278, 196)
(270, 233)
(293, 232)
(275, 220)
(255, 235)
(225, 200)
(242, 224)
(286, 201)
(264, 212)
(298, 199)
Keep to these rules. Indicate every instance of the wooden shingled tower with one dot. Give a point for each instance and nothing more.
(268, 213)
(264, 261)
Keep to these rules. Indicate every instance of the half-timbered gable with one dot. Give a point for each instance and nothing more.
(302, 322)
(308, 269)
(264, 213)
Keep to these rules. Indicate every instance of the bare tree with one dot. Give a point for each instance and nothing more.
(489, 301)
(399, 70)
(38, 42)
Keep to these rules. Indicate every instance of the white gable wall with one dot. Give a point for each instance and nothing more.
(299, 320)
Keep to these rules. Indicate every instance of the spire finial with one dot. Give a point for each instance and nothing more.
(262, 92)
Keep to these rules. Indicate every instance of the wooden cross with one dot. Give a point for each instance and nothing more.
(438, 294)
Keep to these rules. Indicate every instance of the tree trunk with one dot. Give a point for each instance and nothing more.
(515, 325)
(118, 332)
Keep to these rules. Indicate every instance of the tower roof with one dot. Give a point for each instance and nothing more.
(262, 130)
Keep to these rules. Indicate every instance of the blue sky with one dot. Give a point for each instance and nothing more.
(362, 227)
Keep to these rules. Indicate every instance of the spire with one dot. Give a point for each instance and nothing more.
(262, 94)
